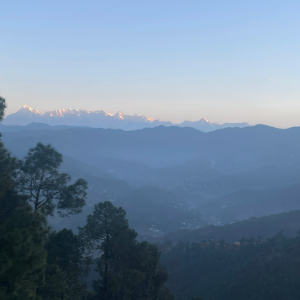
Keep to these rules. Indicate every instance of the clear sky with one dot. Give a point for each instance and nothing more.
(230, 61)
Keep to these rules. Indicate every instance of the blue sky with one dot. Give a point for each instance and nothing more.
(230, 61)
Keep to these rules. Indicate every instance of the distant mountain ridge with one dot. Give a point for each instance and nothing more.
(102, 119)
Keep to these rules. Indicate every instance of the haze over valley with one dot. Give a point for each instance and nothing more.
(177, 184)
(150, 150)
(193, 178)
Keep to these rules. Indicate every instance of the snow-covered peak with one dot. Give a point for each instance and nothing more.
(102, 119)
(101, 112)
(151, 119)
(25, 109)
(206, 120)
(119, 115)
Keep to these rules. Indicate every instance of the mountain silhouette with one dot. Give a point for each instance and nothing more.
(103, 119)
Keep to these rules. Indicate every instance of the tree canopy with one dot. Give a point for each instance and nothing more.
(45, 188)
(66, 266)
(2, 107)
(251, 269)
(22, 254)
(37, 263)
(127, 269)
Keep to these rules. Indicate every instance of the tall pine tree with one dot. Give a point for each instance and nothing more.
(47, 189)
(23, 235)
(128, 270)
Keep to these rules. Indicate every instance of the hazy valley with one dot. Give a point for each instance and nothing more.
(228, 195)
(158, 154)
(190, 177)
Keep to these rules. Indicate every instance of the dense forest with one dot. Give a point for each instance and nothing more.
(252, 269)
(37, 262)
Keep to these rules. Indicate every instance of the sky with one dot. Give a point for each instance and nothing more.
(228, 61)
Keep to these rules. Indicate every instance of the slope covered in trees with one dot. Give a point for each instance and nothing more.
(150, 210)
(40, 262)
(228, 175)
(250, 270)
(231, 150)
(265, 227)
(37, 262)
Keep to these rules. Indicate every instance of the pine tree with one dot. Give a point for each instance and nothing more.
(105, 232)
(23, 235)
(7, 163)
(66, 265)
(22, 254)
(47, 189)
(2, 107)
(128, 270)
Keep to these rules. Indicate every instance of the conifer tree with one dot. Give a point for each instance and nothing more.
(23, 235)
(7, 163)
(22, 254)
(2, 107)
(66, 265)
(128, 270)
(47, 189)
(105, 232)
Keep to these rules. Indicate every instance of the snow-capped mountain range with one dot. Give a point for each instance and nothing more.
(102, 119)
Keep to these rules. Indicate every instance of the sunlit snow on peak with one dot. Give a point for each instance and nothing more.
(28, 109)
(103, 119)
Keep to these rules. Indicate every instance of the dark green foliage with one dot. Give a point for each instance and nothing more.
(38, 265)
(65, 249)
(54, 287)
(2, 107)
(22, 254)
(108, 233)
(252, 270)
(8, 203)
(7, 170)
(66, 265)
(147, 275)
(127, 269)
(45, 187)
(23, 235)
(106, 223)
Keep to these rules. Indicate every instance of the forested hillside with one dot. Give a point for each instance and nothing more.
(37, 262)
(150, 150)
(205, 199)
(253, 269)
(204, 178)
(151, 211)
(229, 150)
(263, 227)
